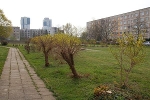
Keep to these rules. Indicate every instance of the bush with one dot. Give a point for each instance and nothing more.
(110, 92)
(4, 42)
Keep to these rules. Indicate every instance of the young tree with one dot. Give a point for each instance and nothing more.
(45, 44)
(5, 26)
(27, 45)
(129, 53)
(67, 47)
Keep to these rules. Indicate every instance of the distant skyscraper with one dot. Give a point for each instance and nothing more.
(25, 23)
(47, 23)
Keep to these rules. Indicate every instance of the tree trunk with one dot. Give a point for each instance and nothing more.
(46, 60)
(75, 74)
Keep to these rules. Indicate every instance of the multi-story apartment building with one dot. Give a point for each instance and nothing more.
(15, 34)
(125, 20)
(47, 23)
(25, 23)
(29, 33)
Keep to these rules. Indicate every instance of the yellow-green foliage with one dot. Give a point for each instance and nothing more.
(5, 26)
(44, 42)
(130, 52)
(133, 48)
(100, 90)
(66, 47)
(68, 42)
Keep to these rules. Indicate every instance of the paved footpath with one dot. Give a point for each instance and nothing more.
(19, 81)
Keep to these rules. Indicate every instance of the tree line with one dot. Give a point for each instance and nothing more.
(63, 46)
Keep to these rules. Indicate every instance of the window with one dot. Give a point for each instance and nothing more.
(120, 23)
(147, 25)
(125, 22)
(120, 27)
(121, 17)
(128, 22)
(125, 27)
(125, 17)
(136, 14)
(135, 20)
(142, 19)
(132, 15)
(135, 26)
(146, 12)
(146, 19)
(142, 13)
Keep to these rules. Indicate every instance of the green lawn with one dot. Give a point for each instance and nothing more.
(97, 65)
(3, 55)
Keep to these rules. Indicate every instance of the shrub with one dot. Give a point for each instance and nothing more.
(4, 42)
(112, 92)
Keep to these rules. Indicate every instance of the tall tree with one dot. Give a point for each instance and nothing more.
(5, 26)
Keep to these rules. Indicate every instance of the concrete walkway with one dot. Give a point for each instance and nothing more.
(19, 81)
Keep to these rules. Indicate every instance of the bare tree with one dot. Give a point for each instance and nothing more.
(69, 29)
(94, 30)
(139, 26)
(108, 26)
(101, 29)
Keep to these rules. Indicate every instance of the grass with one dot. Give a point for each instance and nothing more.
(97, 65)
(3, 55)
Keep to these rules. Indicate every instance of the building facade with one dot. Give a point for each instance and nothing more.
(47, 23)
(125, 20)
(25, 23)
(15, 34)
(52, 30)
(29, 33)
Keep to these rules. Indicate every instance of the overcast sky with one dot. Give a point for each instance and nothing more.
(77, 12)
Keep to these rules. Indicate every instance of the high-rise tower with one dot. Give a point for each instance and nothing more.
(47, 23)
(25, 23)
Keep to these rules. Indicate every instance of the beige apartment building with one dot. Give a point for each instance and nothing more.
(127, 19)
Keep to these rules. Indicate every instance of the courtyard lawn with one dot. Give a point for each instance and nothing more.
(96, 65)
(3, 55)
